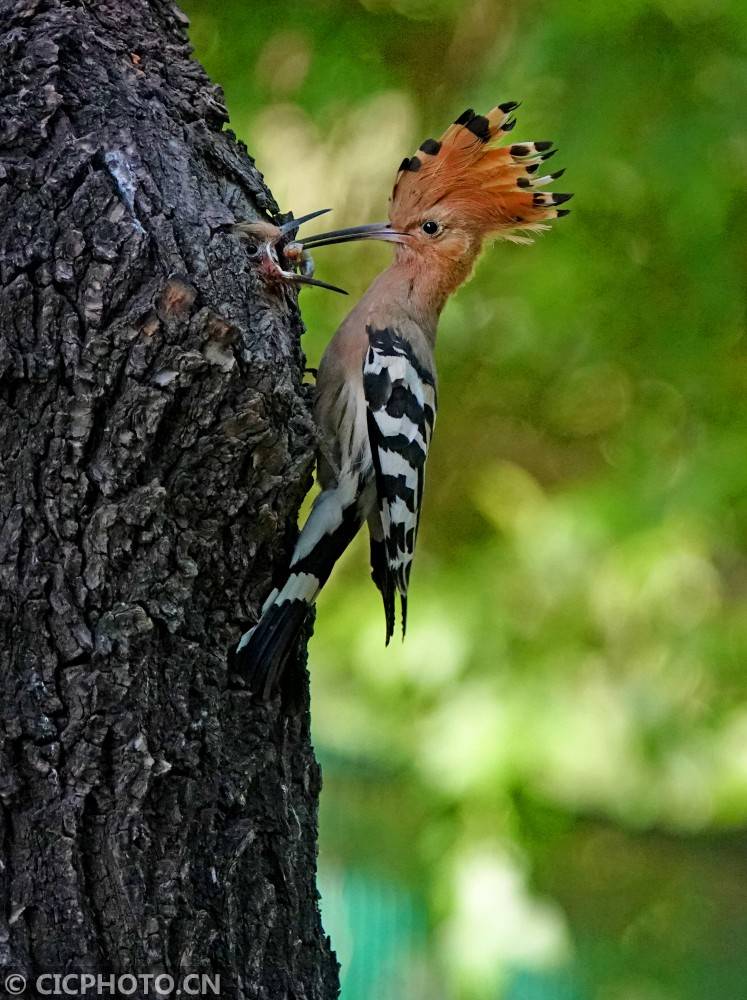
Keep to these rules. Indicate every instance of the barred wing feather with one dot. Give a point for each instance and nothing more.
(401, 410)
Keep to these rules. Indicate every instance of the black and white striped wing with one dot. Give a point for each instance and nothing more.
(401, 410)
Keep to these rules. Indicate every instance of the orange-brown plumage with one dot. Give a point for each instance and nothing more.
(490, 189)
(466, 188)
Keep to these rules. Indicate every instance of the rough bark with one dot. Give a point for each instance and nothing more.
(155, 442)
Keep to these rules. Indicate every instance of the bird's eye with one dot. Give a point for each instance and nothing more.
(252, 249)
(430, 227)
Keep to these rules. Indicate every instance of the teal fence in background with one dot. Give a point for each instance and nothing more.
(380, 934)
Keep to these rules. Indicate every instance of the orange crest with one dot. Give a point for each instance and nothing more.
(476, 183)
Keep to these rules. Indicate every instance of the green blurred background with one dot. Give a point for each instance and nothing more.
(543, 792)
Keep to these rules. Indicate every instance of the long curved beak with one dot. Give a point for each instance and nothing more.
(293, 224)
(372, 231)
(305, 279)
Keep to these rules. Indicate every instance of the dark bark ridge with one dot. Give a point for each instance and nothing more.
(155, 444)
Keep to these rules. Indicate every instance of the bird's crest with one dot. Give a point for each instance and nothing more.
(491, 188)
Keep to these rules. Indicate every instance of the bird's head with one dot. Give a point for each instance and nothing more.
(458, 190)
(268, 247)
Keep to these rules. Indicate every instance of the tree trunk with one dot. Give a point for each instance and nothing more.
(156, 443)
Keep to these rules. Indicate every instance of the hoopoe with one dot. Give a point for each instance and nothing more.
(376, 388)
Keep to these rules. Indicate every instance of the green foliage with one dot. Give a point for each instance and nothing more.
(554, 758)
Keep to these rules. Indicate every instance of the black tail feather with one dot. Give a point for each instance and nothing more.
(272, 643)
(383, 577)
